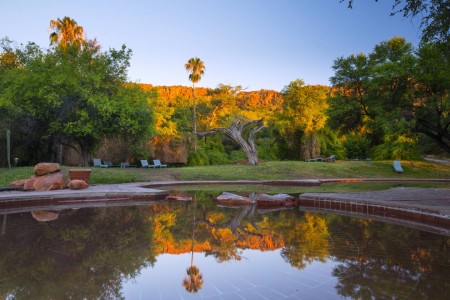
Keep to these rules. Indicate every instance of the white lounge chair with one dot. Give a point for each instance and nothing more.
(144, 164)
(157, 164)
(397, 166)
(98, 163)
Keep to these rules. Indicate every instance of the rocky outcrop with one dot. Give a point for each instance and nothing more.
(232, 199)
(179, 198)
(29, 183)
(51, 181)
(78, 184)
(45, 215)
(264, 200)
(48, 176)
(18, 183)
(46, 168)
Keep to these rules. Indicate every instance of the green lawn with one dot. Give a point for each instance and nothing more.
(270, 170)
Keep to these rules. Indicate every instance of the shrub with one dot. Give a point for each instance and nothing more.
(198, 158)
(237, 155)
(356, 146)
(330, 144)
(217, 158)
(267, 149)
(400, 148)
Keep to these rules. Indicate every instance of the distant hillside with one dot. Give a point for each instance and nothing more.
(246, 99)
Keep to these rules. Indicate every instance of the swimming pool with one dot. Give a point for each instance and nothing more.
(199, 250)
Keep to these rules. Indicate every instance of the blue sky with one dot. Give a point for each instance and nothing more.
(258, 44)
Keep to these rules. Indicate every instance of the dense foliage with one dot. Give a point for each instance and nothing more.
(392, 103)
(392, 98)
(72, 96)
(434, 14)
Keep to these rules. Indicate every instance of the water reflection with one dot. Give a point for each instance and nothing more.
(123, 252)
(194, 280)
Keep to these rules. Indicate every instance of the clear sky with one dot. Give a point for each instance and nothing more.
(258, 44)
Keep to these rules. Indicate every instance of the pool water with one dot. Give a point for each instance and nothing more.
(199, 250)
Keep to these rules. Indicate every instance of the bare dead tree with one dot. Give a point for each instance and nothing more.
(235, 133)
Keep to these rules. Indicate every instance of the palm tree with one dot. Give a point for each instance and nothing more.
(66, 33)
(195, 66)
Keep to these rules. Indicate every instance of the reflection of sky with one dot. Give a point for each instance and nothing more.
(258, 275)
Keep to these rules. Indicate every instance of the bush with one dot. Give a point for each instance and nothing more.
(198, 158)
(217, 158)
(401, 148)
(330, 144)
(267, 149)
(356, 146)
(237, 155)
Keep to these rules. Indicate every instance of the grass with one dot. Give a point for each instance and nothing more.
(279, 170)
(269, 170)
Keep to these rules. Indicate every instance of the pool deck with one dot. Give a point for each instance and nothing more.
(427, 205)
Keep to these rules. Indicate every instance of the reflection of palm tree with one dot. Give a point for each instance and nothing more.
(194, 282)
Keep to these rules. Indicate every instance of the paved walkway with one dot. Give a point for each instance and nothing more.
(426, 199)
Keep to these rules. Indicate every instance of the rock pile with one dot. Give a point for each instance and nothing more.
(48, 176)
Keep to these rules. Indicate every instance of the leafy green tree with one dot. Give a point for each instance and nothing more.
(435, 22)
(351, 84)
(304, 111)
(392, 95)
(66, 33)
(76, 97)
(391, 65)
(431, 107)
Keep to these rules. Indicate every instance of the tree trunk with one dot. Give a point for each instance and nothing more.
(235, 134)
(310, 146)
(195, 117)
(440, 134)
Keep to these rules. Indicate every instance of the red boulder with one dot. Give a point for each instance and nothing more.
(29, 183)
(44, 215)
(78, 184)
(52, 181)
(18, 183)
(46, 168)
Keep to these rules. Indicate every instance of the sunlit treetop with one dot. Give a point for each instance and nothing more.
(66, 33)
(196, 68)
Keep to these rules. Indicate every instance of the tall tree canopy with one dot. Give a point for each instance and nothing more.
(434, 13)
(67, 33)
(392, 94)
(303, 115)
(72, 96)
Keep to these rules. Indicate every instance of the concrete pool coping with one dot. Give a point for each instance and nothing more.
(425, 205)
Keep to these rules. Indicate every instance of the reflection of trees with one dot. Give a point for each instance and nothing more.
(235, 224)
(162, 221)
(228, 232)
(389, 262)
(85, 254)
(306, 241)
